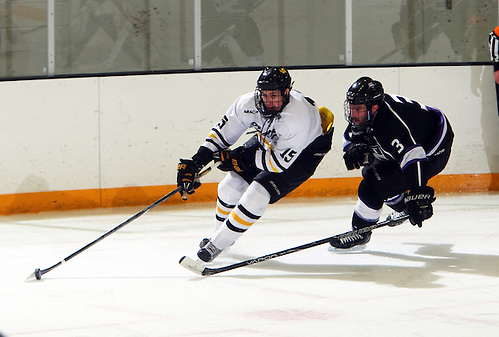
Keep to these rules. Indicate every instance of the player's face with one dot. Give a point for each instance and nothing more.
(359, 114)
(273, 99)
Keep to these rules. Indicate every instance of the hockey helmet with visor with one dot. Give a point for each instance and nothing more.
(362, 95)
(272, 91)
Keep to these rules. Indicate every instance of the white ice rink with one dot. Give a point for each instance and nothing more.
(440, 280)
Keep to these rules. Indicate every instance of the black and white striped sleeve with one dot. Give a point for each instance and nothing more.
(494, 47)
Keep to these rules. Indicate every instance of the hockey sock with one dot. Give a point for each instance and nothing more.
(367, 213)
(230, 191)
(222, 212)
(250, 208)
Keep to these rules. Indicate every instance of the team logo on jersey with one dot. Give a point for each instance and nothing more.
(269, 134)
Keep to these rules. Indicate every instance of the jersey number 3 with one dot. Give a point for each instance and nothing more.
(398, 145)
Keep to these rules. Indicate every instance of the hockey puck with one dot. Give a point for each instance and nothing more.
(38, 274)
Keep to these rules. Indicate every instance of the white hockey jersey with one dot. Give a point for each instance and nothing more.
(282, 138)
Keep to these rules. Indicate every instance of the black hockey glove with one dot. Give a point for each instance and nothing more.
(187, 179)
(418, 201)
(357, 155)
(236, 160)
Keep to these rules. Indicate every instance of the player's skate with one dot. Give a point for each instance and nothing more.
(209, 252)
(203, 242)
(355, 241)
(352, 242)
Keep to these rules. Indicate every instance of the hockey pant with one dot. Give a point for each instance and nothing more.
(384, 182)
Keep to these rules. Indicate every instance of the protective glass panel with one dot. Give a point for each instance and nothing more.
(238, 33)
(422, 31)
(23, 38)
(108, 36)
(95, 36)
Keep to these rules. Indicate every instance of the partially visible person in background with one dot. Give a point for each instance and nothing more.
(494, 55)
(226, 20)
(117, 29)
(463, 23)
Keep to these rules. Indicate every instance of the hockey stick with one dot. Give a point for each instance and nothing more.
(199, 268)
(39, 272)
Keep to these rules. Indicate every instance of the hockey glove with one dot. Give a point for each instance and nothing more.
(418, 201)
(187, 179)
(357, 155)
(232, 160)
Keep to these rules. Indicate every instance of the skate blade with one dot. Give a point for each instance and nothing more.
(352, 250)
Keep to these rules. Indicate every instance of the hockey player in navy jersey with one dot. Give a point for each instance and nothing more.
(292, 135)
(400, 144)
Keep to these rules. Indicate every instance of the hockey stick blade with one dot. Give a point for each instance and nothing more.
(190, 264)
(198, 268)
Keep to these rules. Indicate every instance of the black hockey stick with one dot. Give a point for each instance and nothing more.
(199, 268)
(39, 272)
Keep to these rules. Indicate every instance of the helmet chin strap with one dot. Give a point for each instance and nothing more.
(370, 114)
(270, 114)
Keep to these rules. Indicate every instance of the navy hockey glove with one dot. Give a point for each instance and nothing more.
(233, 160)
(418, 201)
(357, 155)
(187, 179)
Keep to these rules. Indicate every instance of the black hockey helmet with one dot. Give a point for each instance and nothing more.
(364, 91)
(272, 78)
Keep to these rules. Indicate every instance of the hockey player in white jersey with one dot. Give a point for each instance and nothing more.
(291, 138)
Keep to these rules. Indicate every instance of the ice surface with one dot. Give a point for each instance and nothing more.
(442, 279)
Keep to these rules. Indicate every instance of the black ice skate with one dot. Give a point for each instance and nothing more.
(354, 240)
(351, 241)
(203, 242)
(209, 252)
